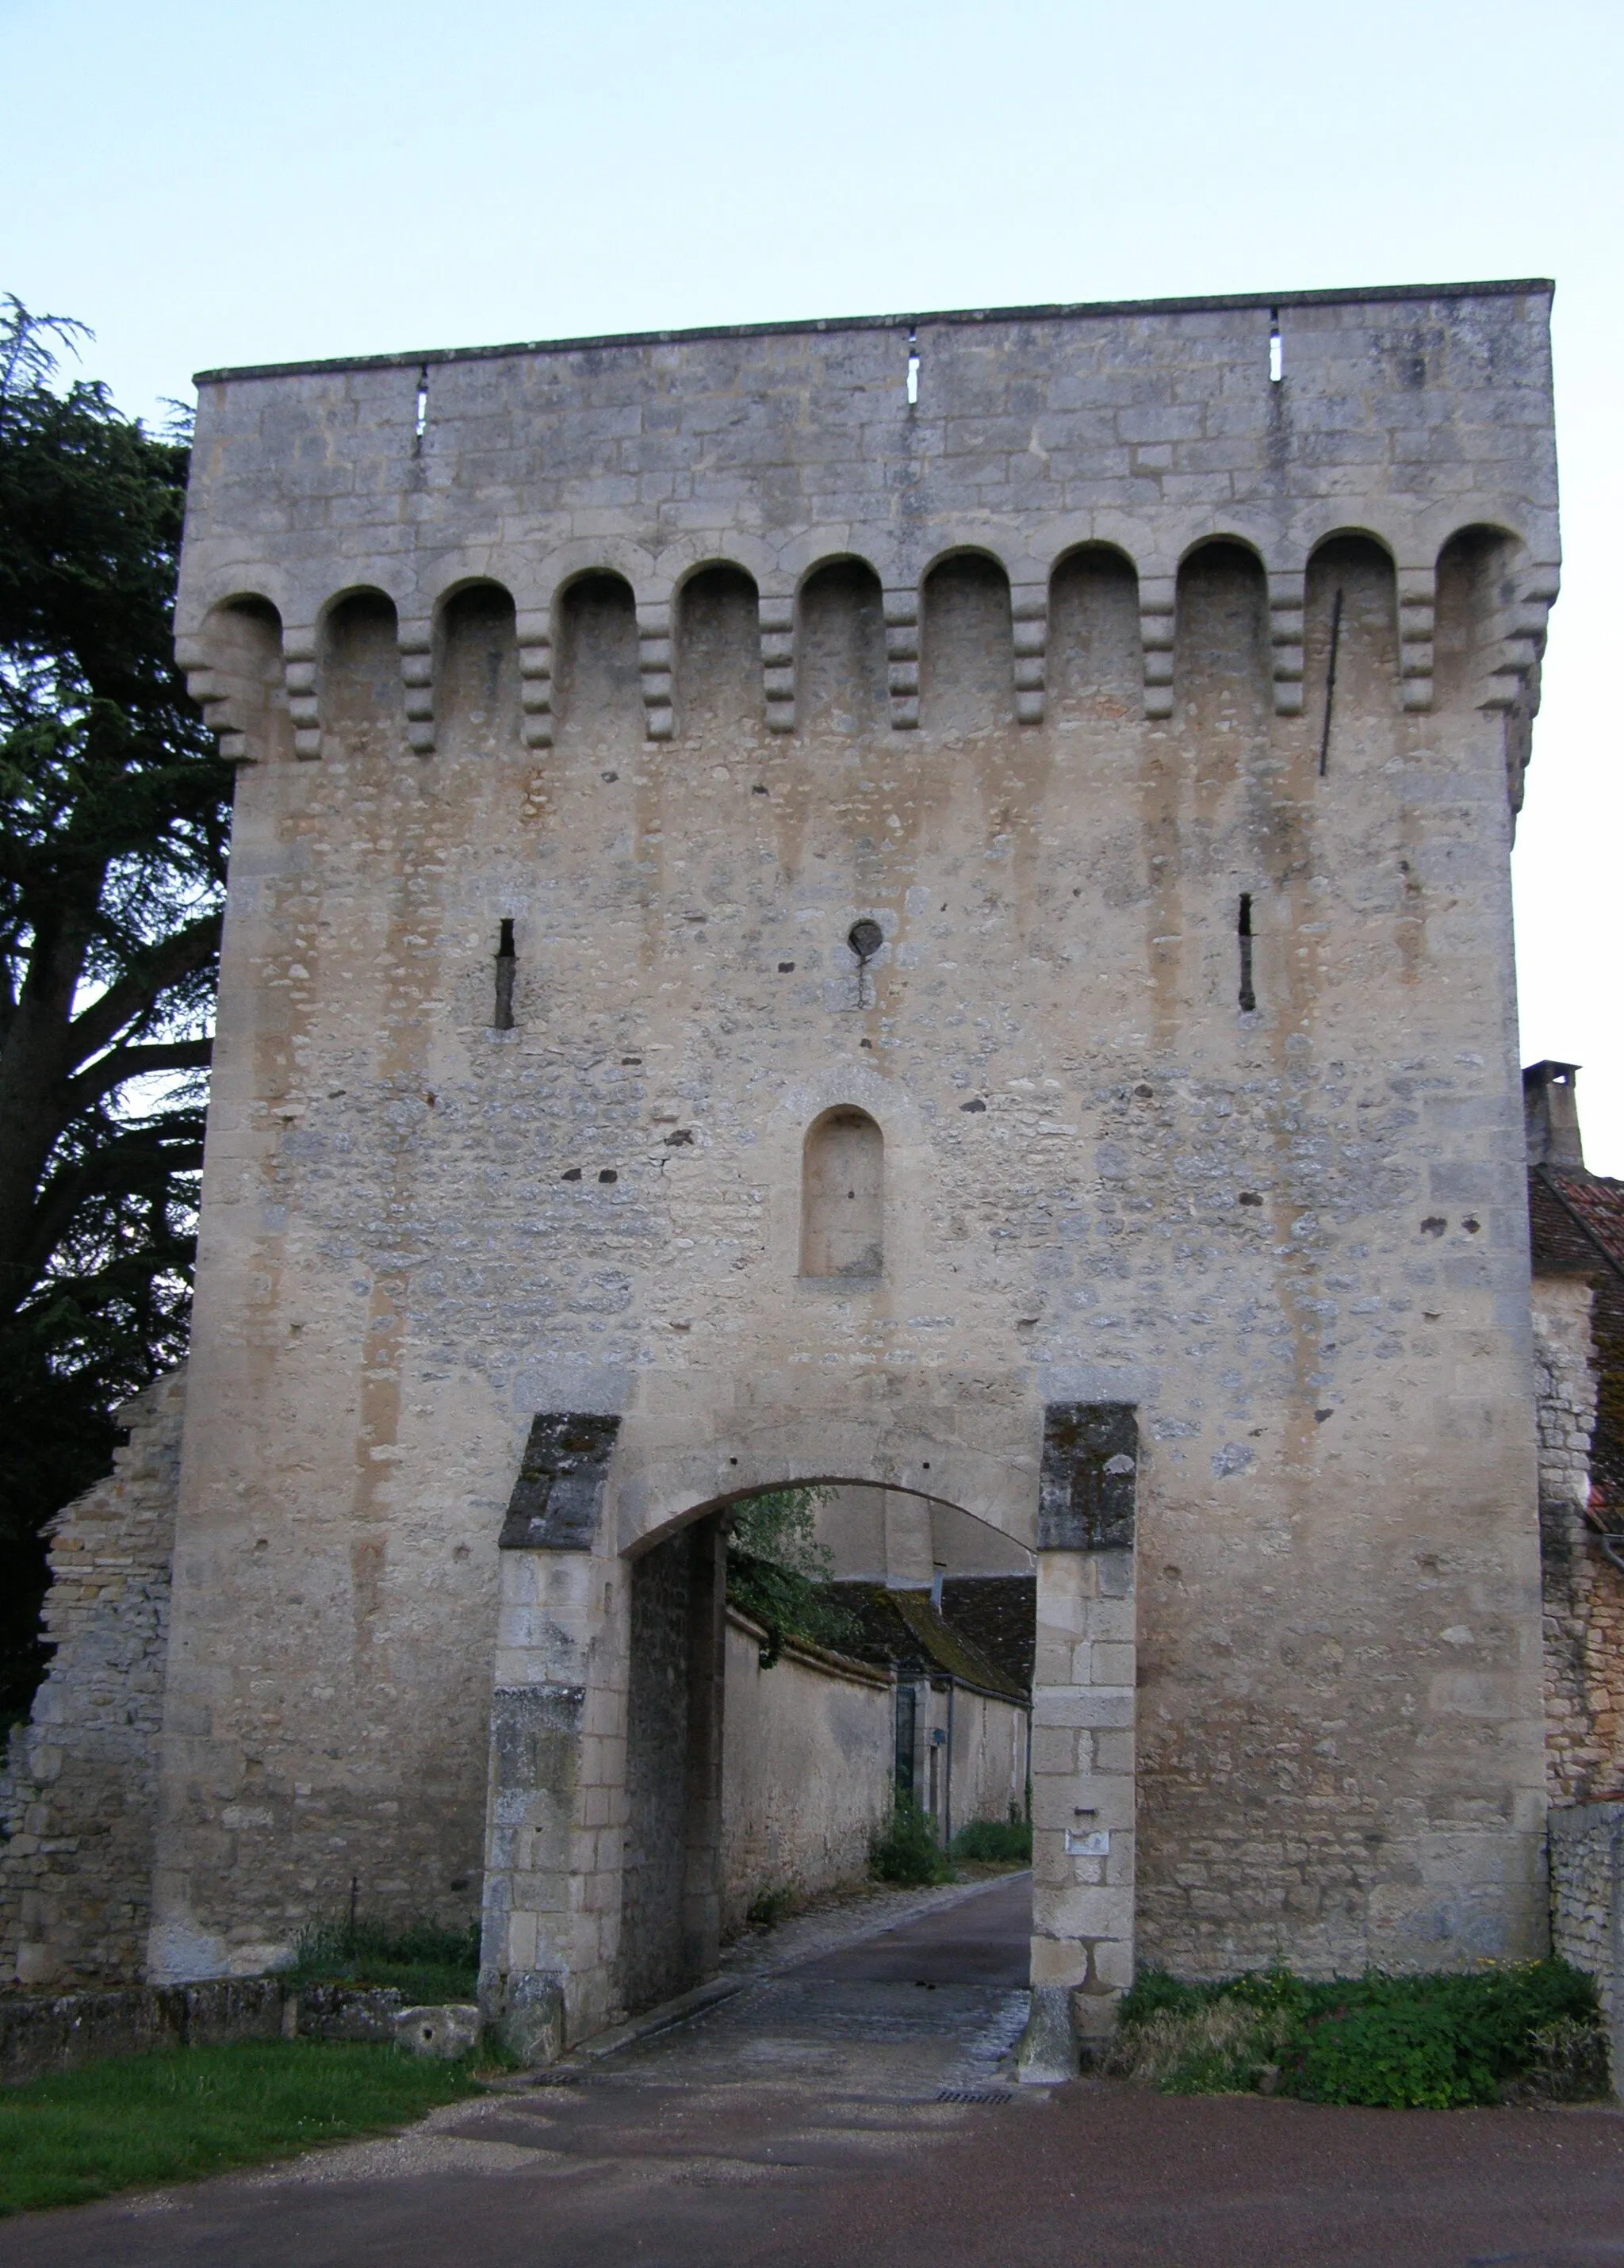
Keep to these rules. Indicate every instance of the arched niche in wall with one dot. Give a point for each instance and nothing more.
(967, 647)
(477, 671)
(718, 656)
(1221, 647)
(599, 690)
(839, 650)
(843, 1195)
(1352, 692)
(360, 695)
(1472, 594)
(247, 700)
(1096, 668)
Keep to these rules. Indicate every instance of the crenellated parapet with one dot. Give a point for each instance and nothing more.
(1149, 430)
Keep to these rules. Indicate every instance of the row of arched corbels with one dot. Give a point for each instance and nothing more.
(1516, 639)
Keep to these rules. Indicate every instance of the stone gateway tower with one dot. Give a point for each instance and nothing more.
(915, 903)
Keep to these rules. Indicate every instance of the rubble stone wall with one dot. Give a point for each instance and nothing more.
(79, 1792)
(1584, 1591)
(1587, 1905)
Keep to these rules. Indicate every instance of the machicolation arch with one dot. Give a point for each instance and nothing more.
(1039, 638)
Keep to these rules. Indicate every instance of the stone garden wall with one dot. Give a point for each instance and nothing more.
(79, 1789)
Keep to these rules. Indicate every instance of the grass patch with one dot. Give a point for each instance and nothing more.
(140, 2122)
(424, 1961)
(907, 1851)
(1527, 2031)
(996, 1842)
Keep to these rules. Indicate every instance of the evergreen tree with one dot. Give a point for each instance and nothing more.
(114, 822)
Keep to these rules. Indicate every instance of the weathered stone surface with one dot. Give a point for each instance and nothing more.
(78, 1792)
(447, 2031)
(1048, 2053)
(1587, 1906)
(1188, 1041)
(809, 1766)
(557, 1499)
(1583, 1590)
(43, 2032)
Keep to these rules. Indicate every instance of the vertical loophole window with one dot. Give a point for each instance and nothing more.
(843, 1197)
(507, 965)
(1248, 997)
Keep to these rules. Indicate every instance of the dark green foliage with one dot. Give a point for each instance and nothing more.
(996, 1841)
(1405, 2054)
(1426, 2042)
(1154, 1993)
(115, 820)
(424, 1960)
(134, 2122)
(779, 1573)
(769, 1908)
(908, 1851)
(1430, 2040)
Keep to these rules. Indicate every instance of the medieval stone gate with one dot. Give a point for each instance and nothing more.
(921, 902)
(601, 1876)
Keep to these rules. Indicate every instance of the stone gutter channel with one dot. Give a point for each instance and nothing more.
(41, 2033)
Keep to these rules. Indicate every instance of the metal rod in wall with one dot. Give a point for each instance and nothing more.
(1330, 681)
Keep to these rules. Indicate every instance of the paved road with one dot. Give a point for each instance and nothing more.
(804, 2123)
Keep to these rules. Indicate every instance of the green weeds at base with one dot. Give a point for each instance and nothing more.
(769, 1908)
(907, 1851)
(141, 2122)
(1527, 2030)
(996, 1842)
(424, 1961)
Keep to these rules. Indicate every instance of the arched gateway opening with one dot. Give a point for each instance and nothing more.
(811, 1670)
(612, 1864)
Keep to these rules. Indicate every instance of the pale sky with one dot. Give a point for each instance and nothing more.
(209, 184)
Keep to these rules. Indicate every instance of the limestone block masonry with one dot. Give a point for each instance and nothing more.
(690, 789)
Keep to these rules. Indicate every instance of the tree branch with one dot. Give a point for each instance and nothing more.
(120, 1169)
(127, 1062)
(123, 1278)
(189, 949)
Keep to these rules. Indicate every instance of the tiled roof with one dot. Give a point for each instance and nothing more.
(902, 1627)
(1576, 1223)
(999, 1614)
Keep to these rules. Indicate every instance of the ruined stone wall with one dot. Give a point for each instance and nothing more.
(78, 1794)
(587, 707)
(1587, 1906)
(1584, 1591)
